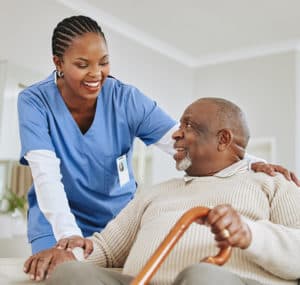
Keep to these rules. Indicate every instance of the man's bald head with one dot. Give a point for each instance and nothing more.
(229, 115)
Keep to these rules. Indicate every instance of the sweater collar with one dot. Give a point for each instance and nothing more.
(238, 167)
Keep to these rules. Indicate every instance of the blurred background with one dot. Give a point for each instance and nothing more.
(246, 51)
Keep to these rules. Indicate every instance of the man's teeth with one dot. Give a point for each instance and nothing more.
(92, 84)
(180, 148)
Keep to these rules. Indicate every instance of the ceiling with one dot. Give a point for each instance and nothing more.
(192, 32)
(197, 32)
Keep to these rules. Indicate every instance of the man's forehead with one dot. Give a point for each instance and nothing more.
(186, 116)
(197, 111)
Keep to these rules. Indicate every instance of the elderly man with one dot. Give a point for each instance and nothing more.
(261, 215)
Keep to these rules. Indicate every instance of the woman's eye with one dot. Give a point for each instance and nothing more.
(82, 65)
(104, 63)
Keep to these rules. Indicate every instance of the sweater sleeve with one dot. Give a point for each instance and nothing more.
(275, 242)
(112, 245)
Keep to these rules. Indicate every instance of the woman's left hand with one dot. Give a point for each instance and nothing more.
(271, 170)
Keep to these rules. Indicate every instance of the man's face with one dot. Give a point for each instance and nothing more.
(196, 140)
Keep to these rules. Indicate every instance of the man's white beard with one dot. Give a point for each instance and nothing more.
(184, 164)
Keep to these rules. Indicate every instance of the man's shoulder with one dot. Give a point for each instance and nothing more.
(272, 183)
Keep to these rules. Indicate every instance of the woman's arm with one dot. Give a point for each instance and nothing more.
(50, 193)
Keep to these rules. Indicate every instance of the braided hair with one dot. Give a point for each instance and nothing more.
(68, 29)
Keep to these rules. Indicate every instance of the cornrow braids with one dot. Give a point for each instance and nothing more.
(68, 29)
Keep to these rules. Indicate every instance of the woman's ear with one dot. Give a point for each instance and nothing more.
(225, 138)
(58, 62)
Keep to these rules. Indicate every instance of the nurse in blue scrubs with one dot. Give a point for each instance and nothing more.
(77, 129)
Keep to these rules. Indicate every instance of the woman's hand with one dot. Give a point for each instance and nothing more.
(71, 242)
(228, 227)
(271, 170)
(39, 266)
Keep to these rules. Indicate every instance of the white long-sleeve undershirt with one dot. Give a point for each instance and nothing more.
(50, 193)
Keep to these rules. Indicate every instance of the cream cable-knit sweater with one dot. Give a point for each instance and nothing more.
(270, 205)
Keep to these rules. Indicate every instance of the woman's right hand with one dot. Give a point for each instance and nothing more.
(71, 242)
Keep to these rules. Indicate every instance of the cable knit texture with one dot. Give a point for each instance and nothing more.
(270, 206)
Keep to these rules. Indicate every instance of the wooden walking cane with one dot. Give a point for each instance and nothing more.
(168, 243)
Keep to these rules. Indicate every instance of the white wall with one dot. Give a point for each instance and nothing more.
(14, 79)
(265, 88)
(297, 115)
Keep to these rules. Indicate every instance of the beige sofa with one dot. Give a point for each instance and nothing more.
(13, 253)
(11, 272)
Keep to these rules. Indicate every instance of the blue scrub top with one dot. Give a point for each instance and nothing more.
(88, 161)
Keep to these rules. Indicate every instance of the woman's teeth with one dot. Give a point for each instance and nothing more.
(92, 84)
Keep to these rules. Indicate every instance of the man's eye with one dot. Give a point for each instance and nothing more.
(188, 125)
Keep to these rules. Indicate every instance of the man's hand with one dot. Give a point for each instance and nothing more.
(76, 241)
(228, 227)
(271, 170)
(41, 265)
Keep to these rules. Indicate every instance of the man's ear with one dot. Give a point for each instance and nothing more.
(58, 62)
(225, 138)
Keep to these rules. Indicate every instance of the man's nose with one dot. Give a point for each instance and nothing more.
(177, 134)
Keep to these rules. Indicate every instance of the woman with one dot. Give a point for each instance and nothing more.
(76, 127)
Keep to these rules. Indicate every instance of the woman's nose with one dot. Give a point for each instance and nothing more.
(95, 71)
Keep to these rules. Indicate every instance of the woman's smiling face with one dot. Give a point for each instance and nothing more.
(85, 65)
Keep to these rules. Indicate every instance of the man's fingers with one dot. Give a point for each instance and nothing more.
(223, 222)
(240, 238)
(216, 213)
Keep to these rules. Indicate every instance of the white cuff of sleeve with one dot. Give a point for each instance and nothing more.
(166, 143)
(78, 253)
